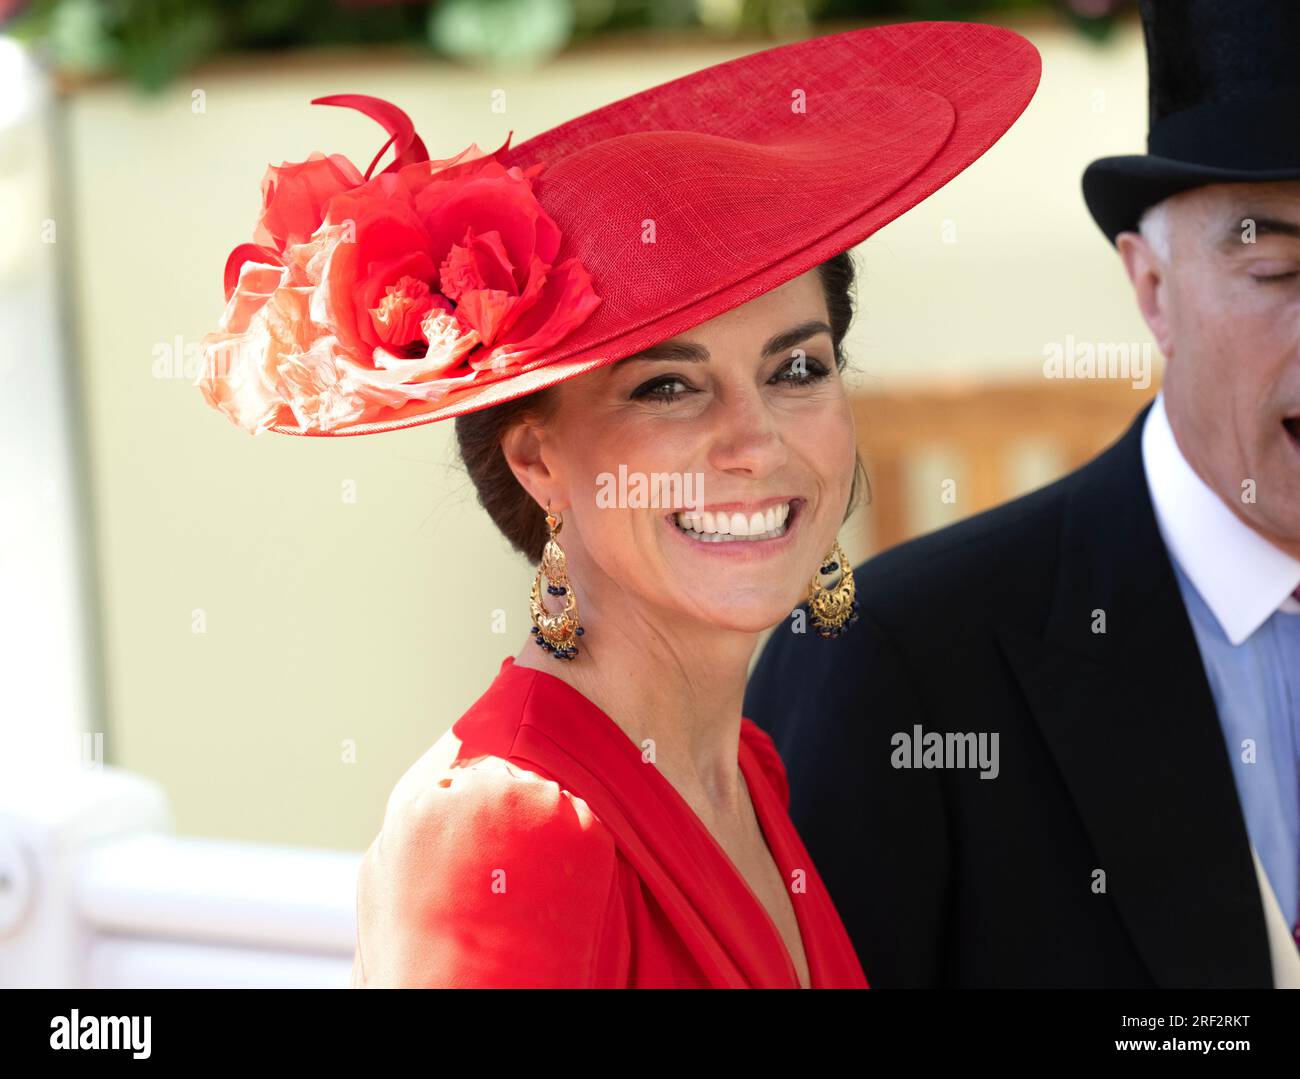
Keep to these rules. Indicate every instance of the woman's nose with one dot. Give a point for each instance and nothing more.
(746, 436)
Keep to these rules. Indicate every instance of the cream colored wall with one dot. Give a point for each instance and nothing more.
(260, 626)
(1028, 264)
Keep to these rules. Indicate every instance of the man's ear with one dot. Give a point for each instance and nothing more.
(1150, 286)
(522, 448)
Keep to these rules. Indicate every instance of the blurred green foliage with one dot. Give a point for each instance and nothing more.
(151, 42)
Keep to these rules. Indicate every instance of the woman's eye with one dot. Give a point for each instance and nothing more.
(800, 371)
(660, 389)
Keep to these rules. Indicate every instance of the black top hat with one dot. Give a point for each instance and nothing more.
(1224, 105)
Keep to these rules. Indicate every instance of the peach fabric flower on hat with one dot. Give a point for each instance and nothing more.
(363, 294)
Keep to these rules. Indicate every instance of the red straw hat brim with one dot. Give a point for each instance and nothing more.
(745, 188)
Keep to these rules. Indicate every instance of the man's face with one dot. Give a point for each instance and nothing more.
(1224, 305)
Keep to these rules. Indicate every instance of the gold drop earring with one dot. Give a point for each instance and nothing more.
(556, 632)
(835, 607)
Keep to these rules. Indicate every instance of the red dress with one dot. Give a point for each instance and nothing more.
(532, 847)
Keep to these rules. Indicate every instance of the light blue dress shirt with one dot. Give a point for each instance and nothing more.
(1237, 589)
(1256, 688)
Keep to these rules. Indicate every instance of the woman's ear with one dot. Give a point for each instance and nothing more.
(522, 448)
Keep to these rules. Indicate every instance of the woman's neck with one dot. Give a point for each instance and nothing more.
(678, 692)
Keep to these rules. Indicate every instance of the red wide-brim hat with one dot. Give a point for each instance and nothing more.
(501, 274)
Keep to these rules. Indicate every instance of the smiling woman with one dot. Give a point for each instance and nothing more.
(671, 301)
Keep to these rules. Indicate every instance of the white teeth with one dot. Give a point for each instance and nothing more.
(727, 528)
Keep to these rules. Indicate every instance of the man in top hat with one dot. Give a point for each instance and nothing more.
(1124, 644)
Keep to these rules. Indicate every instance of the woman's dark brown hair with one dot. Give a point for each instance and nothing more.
(513, 510)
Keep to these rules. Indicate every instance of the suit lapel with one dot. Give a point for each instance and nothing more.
(1129, 717)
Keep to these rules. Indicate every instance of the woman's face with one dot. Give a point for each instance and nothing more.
(707, 478)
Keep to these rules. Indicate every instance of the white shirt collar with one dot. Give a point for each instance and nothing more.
(1241, 576)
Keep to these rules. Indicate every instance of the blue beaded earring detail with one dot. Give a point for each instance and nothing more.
(833, 608)
(556, 632)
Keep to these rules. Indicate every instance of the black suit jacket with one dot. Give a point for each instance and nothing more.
(1111, 755)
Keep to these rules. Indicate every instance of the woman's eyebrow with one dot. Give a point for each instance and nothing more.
(690, 352)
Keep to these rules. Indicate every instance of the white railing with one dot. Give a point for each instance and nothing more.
(97, 892)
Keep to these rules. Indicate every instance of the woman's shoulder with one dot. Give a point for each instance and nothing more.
(496, 799)
(483, 873)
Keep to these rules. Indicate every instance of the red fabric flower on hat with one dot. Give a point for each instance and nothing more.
(363, 294)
